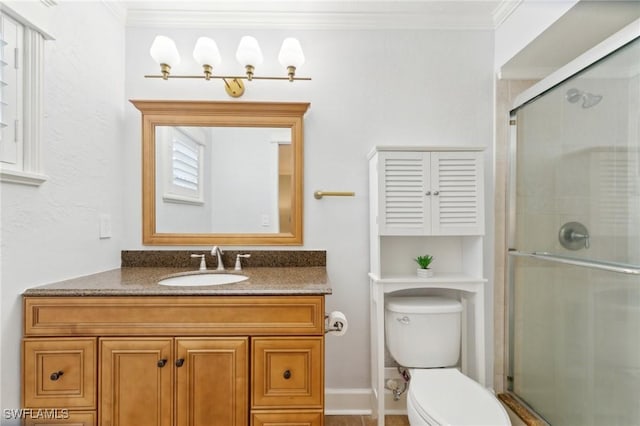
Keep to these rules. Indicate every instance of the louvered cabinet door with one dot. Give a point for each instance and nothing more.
(457, 193)
(404, 193)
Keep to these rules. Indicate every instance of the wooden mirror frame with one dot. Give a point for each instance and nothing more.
(222, 114)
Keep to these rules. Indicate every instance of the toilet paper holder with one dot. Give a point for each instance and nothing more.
(336, 326)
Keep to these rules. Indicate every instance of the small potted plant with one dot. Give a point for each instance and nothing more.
(424, 262)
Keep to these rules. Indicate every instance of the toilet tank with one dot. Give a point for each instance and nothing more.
(423, 332)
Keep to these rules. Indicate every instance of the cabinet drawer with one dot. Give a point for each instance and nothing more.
(67, 418)
(287, 372)
(284, 418)
(59, 373)
(174, 316)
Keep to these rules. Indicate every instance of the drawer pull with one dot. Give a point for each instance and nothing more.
(55, 376)
(162, 362)
(287, 374)
(179, 362)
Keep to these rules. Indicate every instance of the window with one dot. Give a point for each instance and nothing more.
(11, 148)
(184, 166)
(21, 80)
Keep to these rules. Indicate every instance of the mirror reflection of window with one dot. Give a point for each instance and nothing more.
(183, 164)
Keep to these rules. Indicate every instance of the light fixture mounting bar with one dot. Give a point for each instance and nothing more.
(224, 77)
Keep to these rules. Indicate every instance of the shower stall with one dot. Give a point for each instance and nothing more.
(574, 245)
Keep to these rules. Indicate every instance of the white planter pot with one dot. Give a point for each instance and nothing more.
(424, 273)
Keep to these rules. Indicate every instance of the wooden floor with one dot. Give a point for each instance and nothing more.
(364, 421)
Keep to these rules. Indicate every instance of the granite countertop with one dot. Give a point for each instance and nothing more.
(143, 281)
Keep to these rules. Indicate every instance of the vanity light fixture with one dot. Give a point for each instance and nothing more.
(206, 53)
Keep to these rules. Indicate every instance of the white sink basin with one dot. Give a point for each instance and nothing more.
(203, 279)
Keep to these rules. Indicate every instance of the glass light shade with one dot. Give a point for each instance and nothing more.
(206, 52)
(164, 51)
(291, 53)
(249, 52)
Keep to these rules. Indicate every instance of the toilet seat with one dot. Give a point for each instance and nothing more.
(445, 396)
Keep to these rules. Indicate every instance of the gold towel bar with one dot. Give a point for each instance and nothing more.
(319, 194)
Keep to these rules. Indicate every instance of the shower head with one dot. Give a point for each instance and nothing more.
(588, 99)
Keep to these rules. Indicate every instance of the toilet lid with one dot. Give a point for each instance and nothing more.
(448, 397)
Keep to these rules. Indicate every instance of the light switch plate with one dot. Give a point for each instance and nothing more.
(105, 226)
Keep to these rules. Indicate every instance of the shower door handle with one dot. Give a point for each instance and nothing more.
(622, 268)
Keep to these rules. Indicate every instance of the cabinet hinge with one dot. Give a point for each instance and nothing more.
(512, 122)
(16, 58)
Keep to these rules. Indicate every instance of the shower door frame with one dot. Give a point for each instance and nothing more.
(625, 36)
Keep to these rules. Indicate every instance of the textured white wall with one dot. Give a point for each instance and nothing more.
(50, 233)
(369, 88)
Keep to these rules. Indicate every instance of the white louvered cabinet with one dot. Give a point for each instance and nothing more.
(430, 193)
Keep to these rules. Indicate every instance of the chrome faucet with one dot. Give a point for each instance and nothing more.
(216, 251)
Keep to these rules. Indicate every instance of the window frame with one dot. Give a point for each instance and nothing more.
(31, 61)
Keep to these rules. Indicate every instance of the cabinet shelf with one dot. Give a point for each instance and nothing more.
(437, 278)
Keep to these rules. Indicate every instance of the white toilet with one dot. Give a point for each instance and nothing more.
(423, 334)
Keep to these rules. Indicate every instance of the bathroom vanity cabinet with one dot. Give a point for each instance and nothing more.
(426, 200)
(175, 360)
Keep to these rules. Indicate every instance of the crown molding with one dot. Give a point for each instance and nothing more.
(306, 14)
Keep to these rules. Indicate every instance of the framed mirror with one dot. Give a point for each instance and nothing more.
(225, 173)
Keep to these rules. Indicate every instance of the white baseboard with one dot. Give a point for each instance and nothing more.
(347, 402)
(357, 402)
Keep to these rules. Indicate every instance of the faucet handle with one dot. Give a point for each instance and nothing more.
(238, 262)
(203, 263)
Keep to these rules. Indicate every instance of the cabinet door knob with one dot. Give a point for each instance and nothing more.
(55, 376)
(427, 193)
(286, 374)
(179, 362)
(162, 362)
(436, 192)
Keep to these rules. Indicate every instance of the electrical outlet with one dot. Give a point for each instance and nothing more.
(105, 226)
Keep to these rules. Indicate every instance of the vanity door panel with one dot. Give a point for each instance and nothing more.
(136, 382)
(212, 381)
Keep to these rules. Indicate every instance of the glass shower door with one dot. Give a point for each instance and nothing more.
(575, 247)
